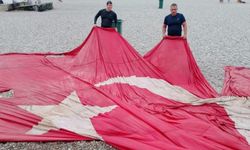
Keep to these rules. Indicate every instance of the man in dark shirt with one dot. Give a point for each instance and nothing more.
(107, 15)
(174, 23)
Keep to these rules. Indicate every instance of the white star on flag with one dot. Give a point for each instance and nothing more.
(70, 115)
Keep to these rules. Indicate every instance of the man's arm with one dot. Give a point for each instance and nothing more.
(164, 26)
(164, 30)
(97, 16)
(115, 20)
(184, 24)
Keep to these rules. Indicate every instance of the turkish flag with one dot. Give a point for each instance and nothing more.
(105, 90)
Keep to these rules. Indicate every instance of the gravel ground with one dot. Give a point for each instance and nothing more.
(218, 36)
(80, 145)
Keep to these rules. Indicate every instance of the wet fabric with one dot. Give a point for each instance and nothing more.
(173, 58)
(104, 90)
(236, 82)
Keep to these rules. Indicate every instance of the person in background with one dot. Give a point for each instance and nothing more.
(174, 22)
(240, 1)
(107, 15)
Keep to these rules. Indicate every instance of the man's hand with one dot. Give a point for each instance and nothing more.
(163, 35)
(184, 36)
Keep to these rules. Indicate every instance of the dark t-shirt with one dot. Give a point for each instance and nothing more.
(107, 18)
(174, 24)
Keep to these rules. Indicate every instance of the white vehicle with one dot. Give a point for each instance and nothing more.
(36, 5)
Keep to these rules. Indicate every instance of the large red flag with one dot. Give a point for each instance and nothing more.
(105, 90)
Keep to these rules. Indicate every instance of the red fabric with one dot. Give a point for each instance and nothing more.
(141, 120)
(237, 81)
(174, 59)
